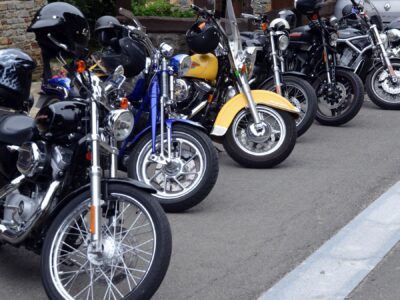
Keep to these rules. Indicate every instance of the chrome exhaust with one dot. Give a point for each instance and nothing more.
(17, 236)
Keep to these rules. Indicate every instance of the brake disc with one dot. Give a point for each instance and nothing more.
(387, 85)
(341, 97)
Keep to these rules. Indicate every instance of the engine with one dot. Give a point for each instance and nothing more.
(190, 95)
(34, 160)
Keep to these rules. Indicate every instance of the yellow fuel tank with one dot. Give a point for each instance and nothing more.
(204, 66)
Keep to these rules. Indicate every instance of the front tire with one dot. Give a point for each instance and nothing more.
(188, 179)
(381, 90)
(273, 144)
(302, 95)
(343, 104)
(136, 242)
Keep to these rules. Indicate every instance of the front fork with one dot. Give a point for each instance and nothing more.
(384, 54)
(277, 73)
(245, 89)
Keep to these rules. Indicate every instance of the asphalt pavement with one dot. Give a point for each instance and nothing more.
(258, 225)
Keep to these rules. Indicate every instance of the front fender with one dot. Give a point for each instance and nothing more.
(86, 189)
(236, 104)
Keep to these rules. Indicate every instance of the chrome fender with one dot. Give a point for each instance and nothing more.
(236, 104)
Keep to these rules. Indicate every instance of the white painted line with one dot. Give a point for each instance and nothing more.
(335, 269)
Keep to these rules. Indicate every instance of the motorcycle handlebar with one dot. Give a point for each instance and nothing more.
(202, 11)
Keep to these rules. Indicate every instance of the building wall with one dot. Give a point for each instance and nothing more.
(15, 17)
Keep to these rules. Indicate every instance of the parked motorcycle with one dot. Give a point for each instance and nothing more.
(269, 67)
(257, 128)
(183, 166)
(99, 236)
(312, 51)
(366, 51)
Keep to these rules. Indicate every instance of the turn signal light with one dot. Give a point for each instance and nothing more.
(80, 66)
(92, 219)
(124, 103)
(264, 26)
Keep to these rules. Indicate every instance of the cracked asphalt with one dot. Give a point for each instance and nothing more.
(257, 225)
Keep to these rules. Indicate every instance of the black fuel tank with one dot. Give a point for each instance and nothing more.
(349, 33)
(57, 121)
(303, 37)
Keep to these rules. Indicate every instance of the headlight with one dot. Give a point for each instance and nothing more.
(384, 39)
(119, 123)
(393, 35)
(333, 39)
(283, 42)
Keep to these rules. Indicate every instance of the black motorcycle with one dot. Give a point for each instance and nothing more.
(367, 51)
(99, 236)
(269, 71)
(312, 51)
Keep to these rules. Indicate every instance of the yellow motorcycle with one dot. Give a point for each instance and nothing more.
(257, 128)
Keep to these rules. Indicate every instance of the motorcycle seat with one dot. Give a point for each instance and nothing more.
(15, 129)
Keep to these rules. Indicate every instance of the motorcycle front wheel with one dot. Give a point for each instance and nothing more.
(302, 95)
(342, 103)
(188, 178)
(381, 89)
(136, 240)
(263, 147)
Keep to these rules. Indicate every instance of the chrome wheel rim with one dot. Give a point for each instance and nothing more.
(179, 177)
(381, 85)
(297, 97)
(129, 243)
(275, 132)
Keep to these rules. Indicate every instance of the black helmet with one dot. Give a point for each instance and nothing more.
(289, 16)
(16, 69)
(131, 55)
(347, 11)
(66, 24)
(202, 38)
(308, 7)
(106, 31)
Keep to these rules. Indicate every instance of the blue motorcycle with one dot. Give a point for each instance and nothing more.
(172, 154)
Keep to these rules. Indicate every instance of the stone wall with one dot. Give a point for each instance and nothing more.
(15, 17)
(261, 6)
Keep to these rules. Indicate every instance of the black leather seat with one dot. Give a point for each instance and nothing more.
(15, 129)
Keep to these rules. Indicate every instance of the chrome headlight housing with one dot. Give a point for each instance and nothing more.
(393, 35)
(119, 123)
(333, 38)
(283, 42)
(385, 39)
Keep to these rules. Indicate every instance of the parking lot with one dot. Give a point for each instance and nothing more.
(258, 225)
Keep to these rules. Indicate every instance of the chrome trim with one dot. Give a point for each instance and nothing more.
(12, 186)
(49, 195)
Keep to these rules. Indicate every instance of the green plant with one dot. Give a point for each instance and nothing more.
(159, 8)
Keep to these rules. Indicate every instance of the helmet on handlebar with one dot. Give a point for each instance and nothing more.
(308, 7)
(289, 16)
(347, 12)
(130, 54)
(106, 31)
(65, 24)
(202, 37)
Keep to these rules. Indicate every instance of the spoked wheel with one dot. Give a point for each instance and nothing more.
(302, 95)
(136, 243)
(339, 104)
(184, 181)
(382, 89)
(262, 147)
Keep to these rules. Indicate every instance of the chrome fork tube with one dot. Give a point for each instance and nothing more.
(383, 51)
(95, 180)
(114, 159)
(165, 90)
(277, 75)
(247, 92)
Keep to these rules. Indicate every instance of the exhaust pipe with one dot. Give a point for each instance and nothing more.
(16, 237)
